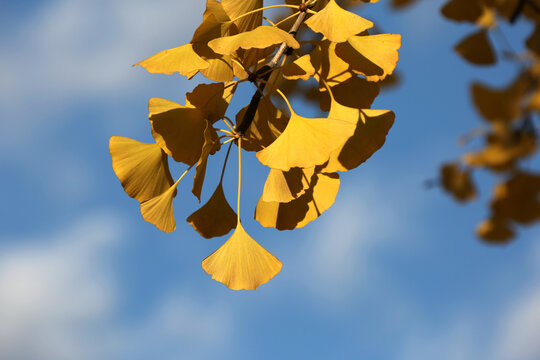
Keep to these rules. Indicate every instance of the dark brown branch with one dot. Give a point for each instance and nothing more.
(265, 72)
(518, 11)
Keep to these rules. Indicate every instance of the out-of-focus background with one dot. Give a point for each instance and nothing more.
(391, 271)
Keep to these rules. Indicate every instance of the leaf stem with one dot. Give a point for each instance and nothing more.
(239, 177)
(286, 100)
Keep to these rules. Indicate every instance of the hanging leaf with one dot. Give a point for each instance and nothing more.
(284, 186)
(457, 182)
(241, 263)
(212, 99)
(142, 168)
(477, 49)
(211, 145)
(215, 218)
(159, 210)
(183, 60)
(259, 38)
(495, 231)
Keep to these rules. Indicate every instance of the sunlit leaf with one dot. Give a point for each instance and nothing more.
(337, 24)
(374, 56)
(355, 93)
(328, 66)
(284, 186)
(477, 49)
(241, 263)
(372, 126)
(301, 211)
(212, 99)
(474, 11)
(215, 218)
(159, 210)
(179, 130)
(306, 142)
(259, 38)
(183, 60)
(235, 8)
(142, 168)
(301, 68)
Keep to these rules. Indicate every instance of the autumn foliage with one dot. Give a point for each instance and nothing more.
(317, 41)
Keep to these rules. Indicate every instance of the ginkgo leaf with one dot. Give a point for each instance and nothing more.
(212, 99)
(215, 24)
(284, 186)
(533, 42)
(215, 218)
(372, 126)
(301, 68)
(355, 93)
(306, 142)
(179, 130)
(517, 198)
(337, 24)
(496, 231)
(500, 104)
(143, 169)
(220, 67)
(477, 49)
(159, 210)
(457, 182)
(211, 145)
(236, 8)
(268, 123)
(241, 263)
(183, 60)
(299, 212)
(328, 66)
(374, 56)
(474, 11)
(259, 38)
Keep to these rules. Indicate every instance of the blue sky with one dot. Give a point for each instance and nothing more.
(391, 271)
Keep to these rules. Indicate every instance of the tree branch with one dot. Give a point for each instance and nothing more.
(267, 70)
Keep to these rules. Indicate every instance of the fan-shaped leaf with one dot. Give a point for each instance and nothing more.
(259, 38)
(183, 60)
(159, 210)
(284, 186)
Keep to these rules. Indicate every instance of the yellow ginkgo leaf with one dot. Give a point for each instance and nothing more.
(259, 38)
(215, 218)
(179, 130)
(301, 211)
(183, 60)
(337, 24)
(268, 123)
(215, 24)
(220, 67)
(159, 210)
(372, 126)
(477, 49)
(374, 56)
(306, 142)
(143, 169)
(301, 68)
(236, 8)
(328, 66)
(457, 182)
(284, 186)
(212, 99)
(495, 231)
(211, 145)
(347, 94)
(241, 263)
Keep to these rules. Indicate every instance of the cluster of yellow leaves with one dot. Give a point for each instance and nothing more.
(509, 133)
(304, 155)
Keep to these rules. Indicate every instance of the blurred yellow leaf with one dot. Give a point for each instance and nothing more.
(337, 24)
(179, 130)
(496, 231)
(474, 11)
(241, 263)
(215, 218)
(299, 212)
(142, 168)
(477, 49)
(457, 182)
(517, 199)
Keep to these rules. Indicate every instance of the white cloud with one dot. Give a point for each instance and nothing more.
(59, 299)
